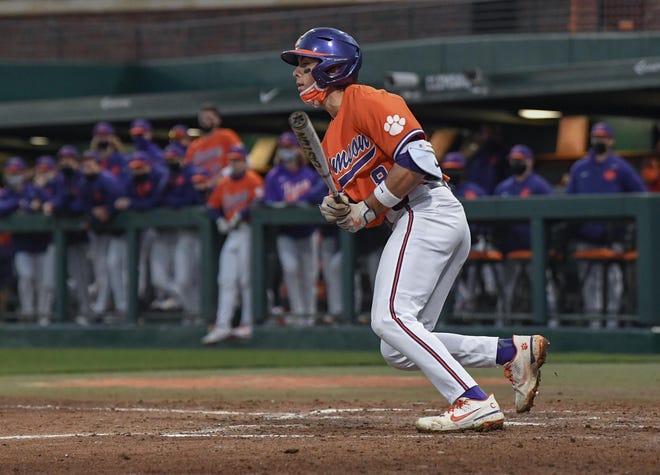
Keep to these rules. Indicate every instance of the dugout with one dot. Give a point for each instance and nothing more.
(450, 83)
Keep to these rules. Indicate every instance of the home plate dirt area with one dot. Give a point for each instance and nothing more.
(343, 437)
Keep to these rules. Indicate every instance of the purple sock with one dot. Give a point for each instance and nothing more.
(475, 392)
(505, 350)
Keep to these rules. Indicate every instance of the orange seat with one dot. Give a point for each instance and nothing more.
(493, 256)
(629, 256)
(598, 254)
(520, 255)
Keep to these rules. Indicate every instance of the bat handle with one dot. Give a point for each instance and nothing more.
(337, 198)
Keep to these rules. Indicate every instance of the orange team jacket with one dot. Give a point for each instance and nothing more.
(210, 151)
(233, 196)
(362, 140)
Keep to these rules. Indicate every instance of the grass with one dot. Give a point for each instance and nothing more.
(80, 360)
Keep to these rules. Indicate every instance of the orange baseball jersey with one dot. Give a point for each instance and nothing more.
(371, 128)
(210, 151)
(233, 196)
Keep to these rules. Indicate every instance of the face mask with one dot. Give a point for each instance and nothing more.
(140, 141)
(287, 154)
(600, 148)
(174, 166)
(14, 180)
(206, 128)
(68, 171)
(142, 177)
(518, 167)
(314, 95)
(103, 145)
(91, 176)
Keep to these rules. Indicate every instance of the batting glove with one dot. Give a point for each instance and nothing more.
(222, 225)
(358, 217)
(333, 211)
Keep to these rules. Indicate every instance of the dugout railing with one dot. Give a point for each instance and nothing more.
(132, 223)
(643, 209)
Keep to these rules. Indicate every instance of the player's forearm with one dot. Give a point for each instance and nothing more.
(400, 181)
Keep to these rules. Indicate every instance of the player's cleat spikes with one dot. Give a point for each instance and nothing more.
(465, 414)
(524, 369)
(216, 335)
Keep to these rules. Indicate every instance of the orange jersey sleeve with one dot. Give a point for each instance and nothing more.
(210, 151)
(362, 140)
(233, 196)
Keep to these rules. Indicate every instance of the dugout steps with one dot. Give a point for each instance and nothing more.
(348, 337)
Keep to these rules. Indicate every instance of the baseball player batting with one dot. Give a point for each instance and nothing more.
(386, 170)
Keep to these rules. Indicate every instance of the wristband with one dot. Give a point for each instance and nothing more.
(385, 196)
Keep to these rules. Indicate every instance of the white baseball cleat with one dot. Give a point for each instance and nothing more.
(243, 332)
(465, 414)
(524, 369)
(216, 335)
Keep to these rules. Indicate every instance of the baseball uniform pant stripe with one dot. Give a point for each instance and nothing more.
(400, 323)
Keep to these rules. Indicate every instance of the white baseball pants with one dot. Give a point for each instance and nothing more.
(299, 258)
(234, 277)
(429, 243)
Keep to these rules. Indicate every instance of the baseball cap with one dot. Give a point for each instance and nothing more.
(288, 140)
(138, 160)
(237, 152)
(15, 165)
(45, 163)
(140, 127)
(178, 131)
(602, 129)
(521, 152)
(173, 151)
(103, 128)
(68, 151)
(453, 161)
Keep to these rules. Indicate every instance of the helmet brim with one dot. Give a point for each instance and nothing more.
(291, 56)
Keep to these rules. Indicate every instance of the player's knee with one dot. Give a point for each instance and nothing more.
(395, 359)
(382, 326)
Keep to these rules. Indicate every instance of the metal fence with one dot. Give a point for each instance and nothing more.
(133, 36)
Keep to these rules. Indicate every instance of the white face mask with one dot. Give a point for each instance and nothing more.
(314, 95)
(287, 154)
(14, 180)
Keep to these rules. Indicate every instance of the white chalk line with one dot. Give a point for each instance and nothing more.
(256, 432)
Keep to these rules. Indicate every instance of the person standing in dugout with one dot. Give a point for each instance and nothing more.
(229, 206)
(386, 170)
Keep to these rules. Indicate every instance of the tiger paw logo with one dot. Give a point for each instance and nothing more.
(524, 346)
(394, 124)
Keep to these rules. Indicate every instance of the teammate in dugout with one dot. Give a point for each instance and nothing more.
(66, 200)
(291, 182)
(386, 170)
(31, 258)
(229, 205)
(209, 151)
(99, 189)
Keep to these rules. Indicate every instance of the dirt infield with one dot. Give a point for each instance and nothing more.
(320, 435)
